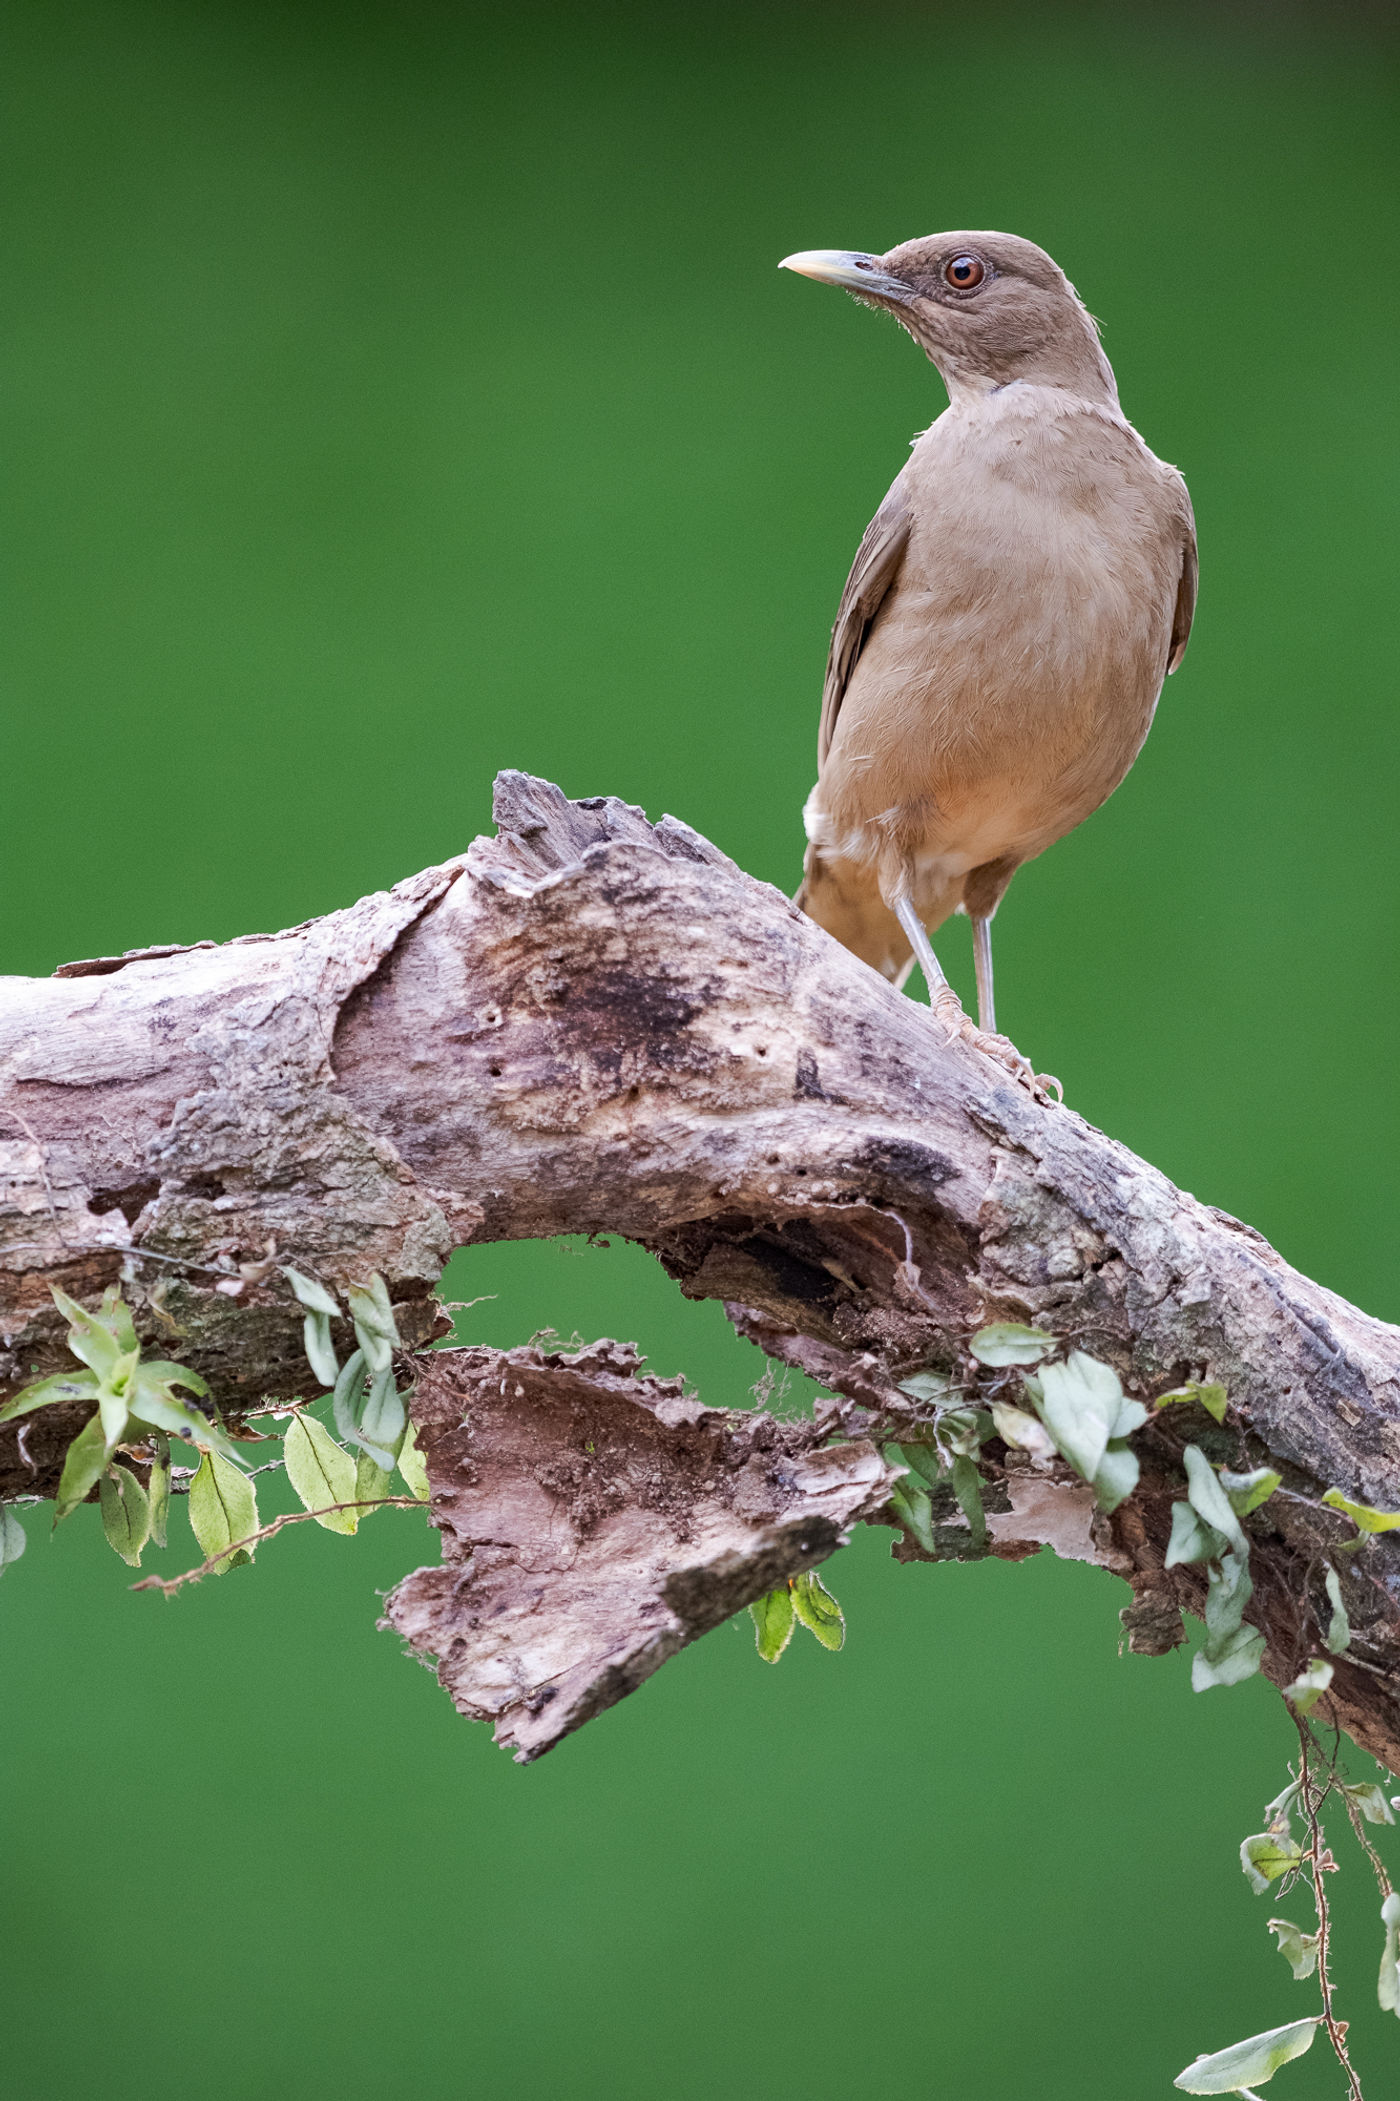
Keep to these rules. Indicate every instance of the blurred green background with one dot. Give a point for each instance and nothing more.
(393, 393)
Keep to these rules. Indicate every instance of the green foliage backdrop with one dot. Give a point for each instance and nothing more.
(396, 393)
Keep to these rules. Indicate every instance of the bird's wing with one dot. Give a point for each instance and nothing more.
(1185, 602)
(872, 572)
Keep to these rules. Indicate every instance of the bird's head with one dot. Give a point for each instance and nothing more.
(988, 308)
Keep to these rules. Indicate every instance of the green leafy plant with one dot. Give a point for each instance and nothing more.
(223, 1512)
(1050, 1401)
(138, 1408)
(1277, 1856)
(369, 1410)
(1246, 2065)
(135, 1398)
(803, 1598)
(337, 1488)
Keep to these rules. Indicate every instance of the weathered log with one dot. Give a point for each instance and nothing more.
(591, 1023)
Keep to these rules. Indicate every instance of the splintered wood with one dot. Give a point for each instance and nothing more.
(594, 1521)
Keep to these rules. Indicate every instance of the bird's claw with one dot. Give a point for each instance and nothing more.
(1002, 1051)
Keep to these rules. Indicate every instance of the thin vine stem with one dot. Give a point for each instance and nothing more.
(1377, 1865)
(1318, 1867)
(168, 1585)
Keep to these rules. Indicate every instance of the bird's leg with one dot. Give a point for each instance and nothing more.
(982, 957)
(946, 1005)
(941, 996)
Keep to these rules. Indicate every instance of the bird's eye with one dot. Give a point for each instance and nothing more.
(964, 273)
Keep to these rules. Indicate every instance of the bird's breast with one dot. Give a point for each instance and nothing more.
(1012, 673)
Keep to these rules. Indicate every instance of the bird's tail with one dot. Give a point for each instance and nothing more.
(844, 897)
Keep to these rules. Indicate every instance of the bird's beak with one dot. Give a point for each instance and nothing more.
(864, 274)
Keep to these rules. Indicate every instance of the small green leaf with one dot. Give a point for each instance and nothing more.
(1388, 1984)
(1117, 1475)
(413, 1466)
(1361, 1514)
(348, 1398)
(83, 1467)
(1280, 1810)
(914, 1511)
(1211, 1397)
(963, 1431)
(223, 1510)
(1238, 1657)
(92, 1337)
(1080, 1405)
(310, 1294)
(1309, 1686)
(371, 1482)
(1209, 1500)
(1267, 1856)
(1025, 1433)
(773, 1619)
(921, 1460)
(1228, 1591)
(1190, 1539)
(375, 1328)
(115, 1316)
(162, 1375)
(113, 1397)
(1247, 1491)
(126, 1513)
(48, 1393)
(384, 1420)
(159, 1490)
(321, 1471)
(1338, 1635)
(156, 1406)
(320, 1350)
(1371, 1800)
(13, 1539)
(817, 1609)
(1009, 1342)
(1298, 1949)
(1249, 2063)
(967, 1487)
(933, 1386)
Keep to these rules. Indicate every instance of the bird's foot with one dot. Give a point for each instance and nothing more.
(1000, 1049)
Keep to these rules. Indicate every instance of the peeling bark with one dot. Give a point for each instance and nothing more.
(593, 1024)
(595, 1521)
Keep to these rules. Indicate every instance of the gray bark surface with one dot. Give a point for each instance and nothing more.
(594, 1024)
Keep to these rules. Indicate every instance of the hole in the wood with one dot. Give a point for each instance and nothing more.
(131, 1199)
(204, 1183)
(583, 1291)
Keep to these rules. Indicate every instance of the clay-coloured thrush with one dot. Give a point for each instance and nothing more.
(1010, 616)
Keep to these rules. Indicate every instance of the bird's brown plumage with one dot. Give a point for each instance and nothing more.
(1011, 613)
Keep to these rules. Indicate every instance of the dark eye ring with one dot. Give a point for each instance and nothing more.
(964, 273)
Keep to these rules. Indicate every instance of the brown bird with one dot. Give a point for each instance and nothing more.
(1011, 614)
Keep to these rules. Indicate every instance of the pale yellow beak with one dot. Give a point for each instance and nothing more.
(850, 270)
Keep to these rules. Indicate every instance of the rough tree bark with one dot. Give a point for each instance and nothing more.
(593, 1024)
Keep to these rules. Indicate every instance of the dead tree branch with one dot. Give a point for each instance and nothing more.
(593, 1024)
